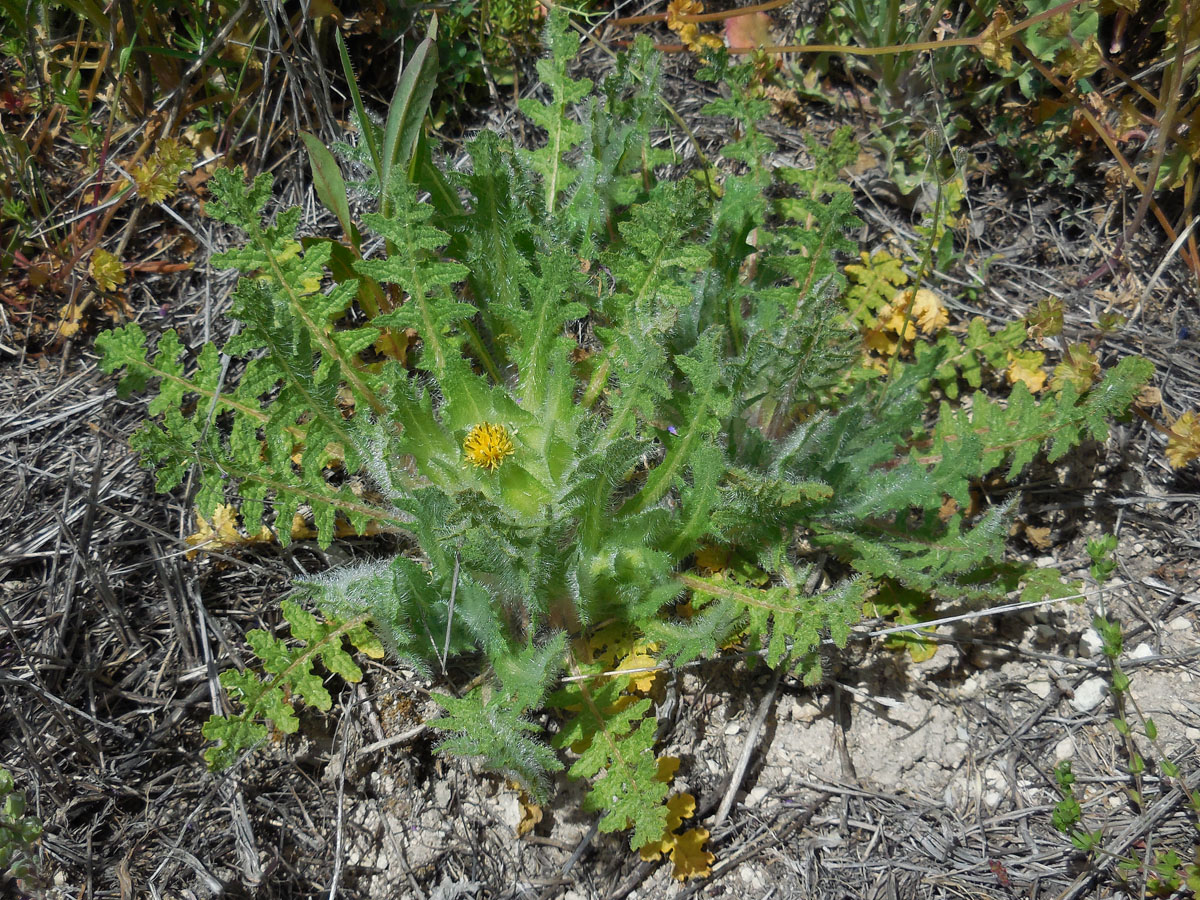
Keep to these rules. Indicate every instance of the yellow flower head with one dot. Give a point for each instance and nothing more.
(486, 446)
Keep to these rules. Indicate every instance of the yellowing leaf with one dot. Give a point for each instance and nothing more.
(1129, 118)
(158, 177)
(1183, 445)
(531, 815)
(106, 270)
(604, 645)
(1175, 24)
(1025, 366)
(679, 807)
(711, 559)
(1079, 368)
(70, 317)
(912, 309)
(654, 850)
(928, 310)
(873, 284)
(689, 856)
(894, 318)
(667, 767)
(1079, 62)
(1058, 27)
(995, 47)
(1038, 536)
(642, 682)
(291, 250)
(301, 530)
(689, 32)
(221, 533)
(876, 340)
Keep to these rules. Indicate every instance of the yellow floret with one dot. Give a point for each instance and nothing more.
(487, 445)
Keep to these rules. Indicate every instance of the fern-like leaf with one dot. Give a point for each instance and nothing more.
(289, 669)
(619, 740)
(497, 731)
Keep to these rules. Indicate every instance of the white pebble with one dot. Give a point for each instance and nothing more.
(1039, 688)
(1090, 694)
(1141, 651)
(1064, 749)
(1090, 643)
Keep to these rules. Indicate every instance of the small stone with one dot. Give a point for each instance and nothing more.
(755, 797)
(1090, 643)
(1090, 694)
(969, 688)
(1040, 688)
(1192, 734)
(802, 712)
(1142, 651)
(1180, 623)
(1064, 749)
(994, 777)
(752, 878)
(992, 799)
(441, 794)
(732, 728)
(1139, 548)
(1045, 634)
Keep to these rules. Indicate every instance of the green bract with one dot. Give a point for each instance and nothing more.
(671, 364)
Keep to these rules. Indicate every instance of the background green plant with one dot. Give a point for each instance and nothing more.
(1161, 871)
(672, 365)
(18, 831)
(1084, 79)
(480, 44)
